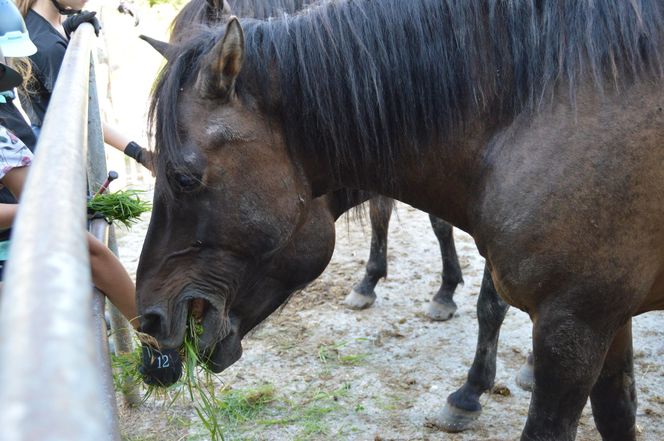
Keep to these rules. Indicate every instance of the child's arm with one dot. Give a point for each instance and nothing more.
(122, 142)
(7, 215)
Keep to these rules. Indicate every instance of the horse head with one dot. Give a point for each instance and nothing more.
(227, 243)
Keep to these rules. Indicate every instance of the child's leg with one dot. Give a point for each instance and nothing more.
(111, 278)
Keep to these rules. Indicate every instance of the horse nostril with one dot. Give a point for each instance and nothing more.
(152, 322)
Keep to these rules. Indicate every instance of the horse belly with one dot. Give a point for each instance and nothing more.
(655, 299)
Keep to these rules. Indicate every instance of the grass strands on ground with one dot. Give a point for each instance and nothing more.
(334, 353)
(221, 412)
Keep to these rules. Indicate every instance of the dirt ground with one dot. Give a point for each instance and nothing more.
(377, 374)
(336, 374)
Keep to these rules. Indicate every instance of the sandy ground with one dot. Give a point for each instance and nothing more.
(339, 374)
(394, 367)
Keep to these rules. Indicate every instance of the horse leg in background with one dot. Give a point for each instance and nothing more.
(525, 378)
(569, 354)
(363, 296)
(463, 406)
(442, 306)
(613, 397)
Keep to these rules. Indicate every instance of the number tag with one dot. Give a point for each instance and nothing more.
(163, 361)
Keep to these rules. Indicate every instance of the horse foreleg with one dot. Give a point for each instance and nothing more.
(568, 353)
(442, 306)
(463, 406)
(363, 296)
(613, 397)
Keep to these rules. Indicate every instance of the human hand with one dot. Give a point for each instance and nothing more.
(160, 368)
(143, 156)
(74, 21)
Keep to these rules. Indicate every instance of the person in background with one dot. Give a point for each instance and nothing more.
(50, 24)
(14, 42)
(15, 157)
(108, 275)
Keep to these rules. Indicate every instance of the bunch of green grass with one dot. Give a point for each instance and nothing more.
(123, 206)
(201, 392)
(125, 370)
(214, 408)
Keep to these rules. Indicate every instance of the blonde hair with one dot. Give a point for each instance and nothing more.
(24, 5)
(24, 67)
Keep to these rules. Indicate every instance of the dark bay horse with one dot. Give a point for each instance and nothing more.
(442, 306)
(535, 126)
(289, 271)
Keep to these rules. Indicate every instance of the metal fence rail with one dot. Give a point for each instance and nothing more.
(121, 329)
(50, 375)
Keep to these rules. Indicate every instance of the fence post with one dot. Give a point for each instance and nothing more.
(49, 373)
(97, 173)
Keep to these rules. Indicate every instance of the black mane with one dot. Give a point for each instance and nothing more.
(369, 81)
(263, 9)
(196, 12)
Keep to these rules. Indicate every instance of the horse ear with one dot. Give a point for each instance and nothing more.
(218, 9)
(160, 46)
(222, 63)
(226, 8)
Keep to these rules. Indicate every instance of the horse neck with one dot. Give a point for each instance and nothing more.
(387, 105)
(440, 179)
(375, 114)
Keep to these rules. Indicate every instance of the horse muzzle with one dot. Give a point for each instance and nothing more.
(193, 308)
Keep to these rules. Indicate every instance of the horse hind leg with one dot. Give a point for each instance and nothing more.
(463, 406)
(613, 397)
(442, 306)
(363, 295)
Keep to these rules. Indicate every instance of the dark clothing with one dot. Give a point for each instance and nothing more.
(46, 64)
(11, 118)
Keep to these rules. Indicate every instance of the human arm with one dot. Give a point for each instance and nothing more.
(122, 142)
(7, 215)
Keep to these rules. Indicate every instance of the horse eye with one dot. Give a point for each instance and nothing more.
(186, 182)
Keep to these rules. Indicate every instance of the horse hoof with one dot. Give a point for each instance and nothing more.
(440, 312)
(526, 377)
(357, 301)
(453, 419)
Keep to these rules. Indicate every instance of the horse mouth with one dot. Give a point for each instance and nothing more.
(206, 325)
(201, 328)
(226, 351)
